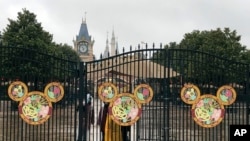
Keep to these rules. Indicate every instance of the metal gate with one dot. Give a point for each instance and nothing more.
(25, 65)
(165, 118)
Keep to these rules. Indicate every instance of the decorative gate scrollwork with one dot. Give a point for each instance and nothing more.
(125, 108)
(35, 107)
(208, 110)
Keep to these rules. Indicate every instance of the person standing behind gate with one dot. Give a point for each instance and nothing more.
(109, 129)
(88, 114)
(89, 110)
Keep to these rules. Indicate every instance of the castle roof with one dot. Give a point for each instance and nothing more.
(83, 33)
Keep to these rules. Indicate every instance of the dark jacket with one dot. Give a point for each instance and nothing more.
(102, 117)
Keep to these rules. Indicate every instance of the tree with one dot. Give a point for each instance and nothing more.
(30, 50)
(67, 52)
(0, 37)
(157, 56)
(245, 56)
(224, 43)
(208, 56)
(27, 32)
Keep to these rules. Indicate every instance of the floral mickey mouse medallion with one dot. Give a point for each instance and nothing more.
(208, 110)
(125, 108)
(35, 107)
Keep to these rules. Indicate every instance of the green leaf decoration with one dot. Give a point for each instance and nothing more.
(210, 110)
(192, 97)
(208, 122)
(140, 96)
(20, 94)
(127, 111)
(36, 119)
(129, 107)
(33, 97)
(123, 99)
(223, 98)
(51, 94)
(110, 95)
(206, 100)
(124, 120)
(37, 110)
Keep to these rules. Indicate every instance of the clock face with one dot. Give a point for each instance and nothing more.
(83, 48)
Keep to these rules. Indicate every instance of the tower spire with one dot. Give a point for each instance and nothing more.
(113, 34)
(85, 15)
(106, 51)
(113, 48)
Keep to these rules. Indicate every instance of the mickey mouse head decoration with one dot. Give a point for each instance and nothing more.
(208, 110)
(35, 107)
(125, 108)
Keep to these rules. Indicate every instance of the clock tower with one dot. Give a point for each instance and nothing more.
(83, 44)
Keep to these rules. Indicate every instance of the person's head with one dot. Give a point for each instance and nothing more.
(106, 104)
(89, 99)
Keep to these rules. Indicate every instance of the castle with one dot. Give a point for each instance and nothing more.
(83, 44)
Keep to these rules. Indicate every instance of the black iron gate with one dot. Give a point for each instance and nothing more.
(25, 65)
(165, 118)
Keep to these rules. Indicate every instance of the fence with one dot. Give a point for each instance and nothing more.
(165, 118)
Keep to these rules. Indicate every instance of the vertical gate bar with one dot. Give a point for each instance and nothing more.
(4, 122)
(75, 86)
(170, 57)
(86, 131)
(80, 105)
(63, 123)
(166, 100)
(86, 136)
(57, 105)
(247, 93)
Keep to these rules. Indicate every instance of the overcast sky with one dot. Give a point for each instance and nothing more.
(134, 21)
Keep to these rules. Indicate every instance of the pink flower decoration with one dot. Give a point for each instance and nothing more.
(14, 92)
(27, 101)
(216, 114)
(56, 90)
(145, 92)
(187, 95)
(228, 93)
(118, 101)
(38, 99)
(133, 113)
(200, 104)
(210, 102)
(44, 111)
(104, 94)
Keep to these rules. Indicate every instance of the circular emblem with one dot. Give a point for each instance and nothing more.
(207, 111)
(107, 91)
(54, 91)
(35, 108)
(125, 109)
(17, 90)
(143, 93)
(226, 94)
(189, 93)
